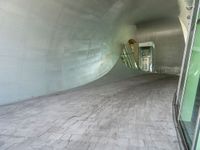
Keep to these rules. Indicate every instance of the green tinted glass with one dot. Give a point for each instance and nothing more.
(191, 97)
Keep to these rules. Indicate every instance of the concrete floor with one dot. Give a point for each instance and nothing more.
(132, 114)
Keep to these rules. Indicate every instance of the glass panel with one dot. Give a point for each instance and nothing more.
(197, 146)
(146, 51)
(146, 59)
(191, 97)
(189, 113)
(128, 57)
(187, 55)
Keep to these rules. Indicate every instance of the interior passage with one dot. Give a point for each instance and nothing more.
(130, 114)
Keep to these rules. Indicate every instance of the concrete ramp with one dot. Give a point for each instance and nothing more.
(131, 114)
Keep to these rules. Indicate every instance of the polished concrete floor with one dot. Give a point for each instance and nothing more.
(132, 114)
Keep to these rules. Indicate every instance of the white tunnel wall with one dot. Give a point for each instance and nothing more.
(53, 45)
(48, 46)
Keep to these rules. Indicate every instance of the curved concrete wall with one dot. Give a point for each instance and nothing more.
(52, 45)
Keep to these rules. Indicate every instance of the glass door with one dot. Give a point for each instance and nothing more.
(189, 113)
(146, 56)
